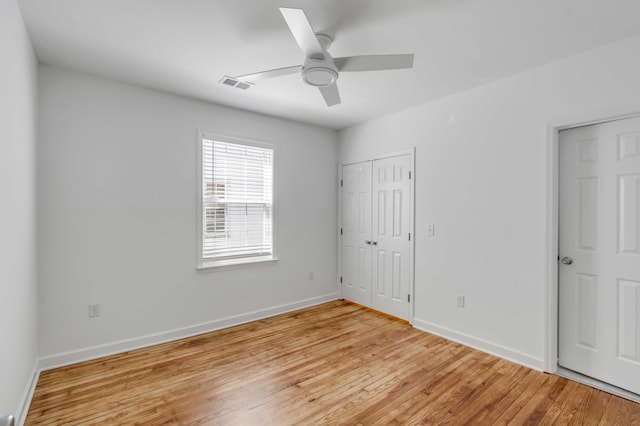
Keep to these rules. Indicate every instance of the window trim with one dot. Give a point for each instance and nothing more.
(224, 264)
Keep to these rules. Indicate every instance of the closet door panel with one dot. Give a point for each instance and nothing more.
(356, 232)
(390, 235)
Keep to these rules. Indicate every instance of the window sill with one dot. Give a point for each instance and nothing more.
(223, 265)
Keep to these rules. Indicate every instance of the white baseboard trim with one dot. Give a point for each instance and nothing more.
(73, 357)
(481, 344)
(25, 401)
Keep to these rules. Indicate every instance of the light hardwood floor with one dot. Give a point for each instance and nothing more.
(336, 363)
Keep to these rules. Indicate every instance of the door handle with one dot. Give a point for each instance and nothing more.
(367, 242)
(375, 243)
(566, 260)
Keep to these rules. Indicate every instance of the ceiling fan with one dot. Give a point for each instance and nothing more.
(320, 69)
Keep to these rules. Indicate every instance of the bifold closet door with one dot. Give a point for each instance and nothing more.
(376, 205)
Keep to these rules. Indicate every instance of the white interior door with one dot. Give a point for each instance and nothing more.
(356, 233)
(599, 244)
(390, 235)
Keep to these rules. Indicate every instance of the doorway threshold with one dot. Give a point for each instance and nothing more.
(595, 383)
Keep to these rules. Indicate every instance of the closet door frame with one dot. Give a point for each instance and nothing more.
(355, 160)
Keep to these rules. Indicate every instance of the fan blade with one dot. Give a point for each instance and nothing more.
(271, 73)
(302, 31)
(330, 94)
(374, 62)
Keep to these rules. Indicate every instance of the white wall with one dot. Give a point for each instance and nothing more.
(481, 170)
(117, 222)
(18, 303)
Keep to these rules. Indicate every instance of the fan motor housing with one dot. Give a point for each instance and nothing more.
(319, 72)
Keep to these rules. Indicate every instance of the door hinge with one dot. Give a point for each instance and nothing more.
(341, 182)
(409, 298)
(409, 236)
(340, 231)
(340, 280)
(409, 174)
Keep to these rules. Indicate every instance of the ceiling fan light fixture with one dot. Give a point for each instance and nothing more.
(319, 76)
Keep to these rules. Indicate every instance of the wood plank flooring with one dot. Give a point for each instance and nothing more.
(336, 363)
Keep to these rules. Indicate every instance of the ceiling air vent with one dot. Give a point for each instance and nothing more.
(234, 82)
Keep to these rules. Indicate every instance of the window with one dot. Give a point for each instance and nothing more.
(215, 211)
(215, 221)
(236, 202)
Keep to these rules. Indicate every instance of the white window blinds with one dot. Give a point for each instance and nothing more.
(237, 200)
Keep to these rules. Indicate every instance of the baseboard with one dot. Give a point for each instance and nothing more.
(25, 401)
(481, 344)
(73, 357)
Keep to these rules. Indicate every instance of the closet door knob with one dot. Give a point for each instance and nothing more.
(367, 242)
(566, 260)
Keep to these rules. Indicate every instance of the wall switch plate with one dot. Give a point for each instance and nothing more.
(460, 302)
(94, 311)
(431, 230)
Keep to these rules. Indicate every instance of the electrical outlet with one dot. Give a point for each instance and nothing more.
(94, 311)
(460, 302)
(312, 276)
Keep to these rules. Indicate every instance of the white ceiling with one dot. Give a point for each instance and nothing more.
(186, 46)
